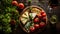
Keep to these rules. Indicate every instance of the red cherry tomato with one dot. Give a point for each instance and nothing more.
(44, 19)
(42, 24)
(36, 20)
(44, 15)
(21, 5)
(32, 29)
(36, 26)
(15, 3)
(42, 12)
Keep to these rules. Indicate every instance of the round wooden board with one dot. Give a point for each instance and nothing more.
(24, 11)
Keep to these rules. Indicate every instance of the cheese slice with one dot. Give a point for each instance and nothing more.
(35, 10)
(33, 15)
(23, 20)
(24, 17)
(25, 14)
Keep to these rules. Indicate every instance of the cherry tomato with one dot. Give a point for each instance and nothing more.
(15, 3)
(32, 29)
(44, 19)
(42, 12)
(36, 26)
(21, 5)
(42, 24)
(44, 15)
(36, 20)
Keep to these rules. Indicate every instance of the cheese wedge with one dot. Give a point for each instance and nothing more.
(33, 15)
(24, 17)
(35, 10)
(25, 14)
(23, 20)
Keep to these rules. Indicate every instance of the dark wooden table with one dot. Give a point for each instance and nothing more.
(48, 29)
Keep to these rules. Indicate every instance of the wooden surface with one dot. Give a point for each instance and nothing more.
(50, 28)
